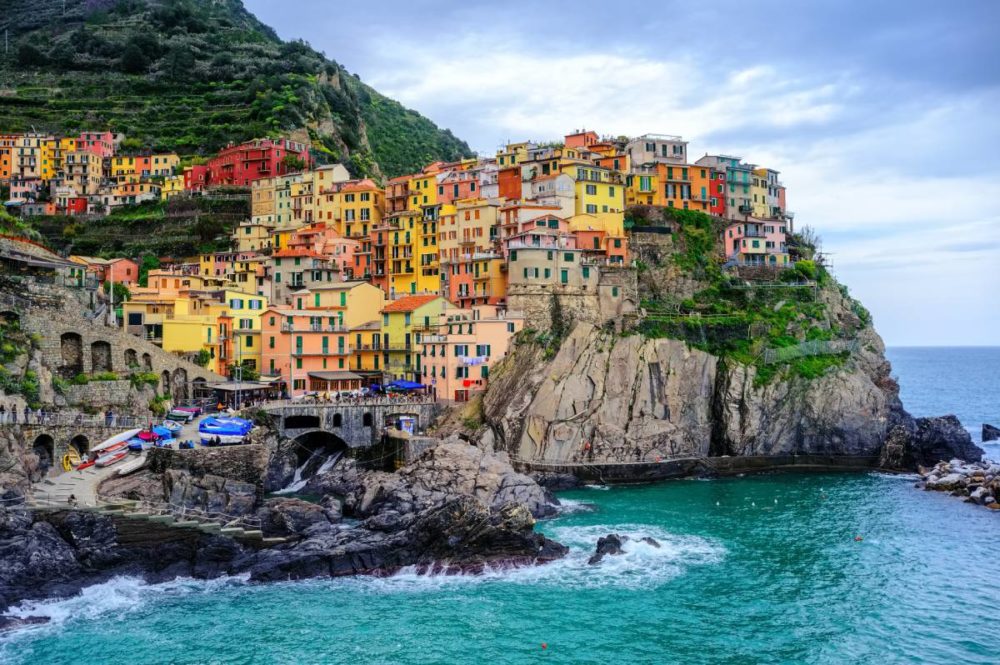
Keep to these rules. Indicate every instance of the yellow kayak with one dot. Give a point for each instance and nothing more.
(70, 459)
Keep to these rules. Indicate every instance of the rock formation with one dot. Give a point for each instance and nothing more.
(979, 482)
(607, 398)
(990, 433)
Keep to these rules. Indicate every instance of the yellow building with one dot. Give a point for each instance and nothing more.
(402, 321)
(83, 172)
(513, 154)
(642, 187)
(253, 235)
(123, 169)
(172, 186)
(367, 347)
(262, 201)
(355, 302)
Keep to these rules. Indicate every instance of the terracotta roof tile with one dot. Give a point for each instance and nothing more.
(409, 303)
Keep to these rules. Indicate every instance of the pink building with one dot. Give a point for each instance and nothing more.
(324, 240)
(101, 144)
(456, 360)
(756, 242)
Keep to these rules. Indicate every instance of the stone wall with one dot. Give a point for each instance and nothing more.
(117, 395)
(584, 304)
(246, 464)
(70, 344)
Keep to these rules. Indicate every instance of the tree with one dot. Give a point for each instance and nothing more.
(148, 262)
(293, 163)
(29, 55)
(203, 358)
(133, 60)
(248, 373)
(121, 291)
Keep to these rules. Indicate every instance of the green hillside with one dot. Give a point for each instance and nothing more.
(191, 76)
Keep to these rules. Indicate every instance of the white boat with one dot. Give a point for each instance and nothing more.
(130, 467)
(117, 438)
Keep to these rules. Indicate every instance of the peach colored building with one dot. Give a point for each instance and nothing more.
(456, 359)
(308, 348)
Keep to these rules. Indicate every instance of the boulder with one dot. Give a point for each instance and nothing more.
(990, 433)
(610, 544)
(288, 516)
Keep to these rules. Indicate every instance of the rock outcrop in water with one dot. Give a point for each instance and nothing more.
(978, 482)
(990, 433)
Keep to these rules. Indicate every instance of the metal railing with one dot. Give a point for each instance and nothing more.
(72, 420)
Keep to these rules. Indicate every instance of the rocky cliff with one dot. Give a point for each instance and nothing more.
(608, 398)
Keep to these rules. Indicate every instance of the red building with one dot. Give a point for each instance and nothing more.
(240, 165)
(76, 205)
(717, 193)
(195, 178)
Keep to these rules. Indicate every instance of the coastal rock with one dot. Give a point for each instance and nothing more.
(443, 473)
(990, 433)
(287, 516)
(979, 482)
(936, 439)
(459, 535)
(608, 545)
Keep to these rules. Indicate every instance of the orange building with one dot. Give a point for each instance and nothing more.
(308, 348)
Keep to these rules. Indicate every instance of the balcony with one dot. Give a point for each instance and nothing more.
(433, 339)
(399, 346)
(338, 351)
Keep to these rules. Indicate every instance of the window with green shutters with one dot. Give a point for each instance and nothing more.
(270, 342)
(586, 272)
(326, 344)
(315, 300)
(564, 276)
(343, 299)
(568, 257)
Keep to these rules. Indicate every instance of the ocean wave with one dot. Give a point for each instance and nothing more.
(114, 599)
(570, 506)
(597, 487)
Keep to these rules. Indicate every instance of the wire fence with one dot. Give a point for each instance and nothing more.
(814, 348)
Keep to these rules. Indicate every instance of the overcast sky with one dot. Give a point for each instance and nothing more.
(882, 116)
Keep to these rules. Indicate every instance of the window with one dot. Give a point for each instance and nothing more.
(591, 208)
(614, 291)
(586, 274)
(591, 189)
(564, 277)
(270, 342)
(568, 257)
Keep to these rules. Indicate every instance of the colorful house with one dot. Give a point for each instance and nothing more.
(457, 357)
(403, 320)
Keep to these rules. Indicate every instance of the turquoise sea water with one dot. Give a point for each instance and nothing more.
(759, 569)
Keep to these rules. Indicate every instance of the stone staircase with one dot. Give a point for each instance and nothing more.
(132, 513)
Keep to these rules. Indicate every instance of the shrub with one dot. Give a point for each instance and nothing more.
(60, 385)
(806, 269)
(104, 376)
(80, 379)
(139, 379)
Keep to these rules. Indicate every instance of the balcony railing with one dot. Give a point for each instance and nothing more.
(328, 328)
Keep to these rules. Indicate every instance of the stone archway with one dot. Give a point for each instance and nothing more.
(81, 443)
(44, 448)
(165, 383)
(147, 362)
(71, 350)
(131, 358)
(338, 420)
(100, 357)
(179, 384)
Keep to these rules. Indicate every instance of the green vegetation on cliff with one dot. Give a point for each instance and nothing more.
(752, 320)
(193, 76)
(179, 227)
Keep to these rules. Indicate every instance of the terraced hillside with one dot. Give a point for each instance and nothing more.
(192, 76)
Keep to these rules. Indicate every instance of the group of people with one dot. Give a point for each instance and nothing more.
(11, 416)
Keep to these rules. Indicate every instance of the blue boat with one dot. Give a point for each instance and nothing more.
(227, 430)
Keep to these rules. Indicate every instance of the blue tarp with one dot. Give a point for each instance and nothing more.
(163, 432)
(225, 426)
(403, 384)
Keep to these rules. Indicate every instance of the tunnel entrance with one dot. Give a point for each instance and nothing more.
(81, 443)
(44, 448)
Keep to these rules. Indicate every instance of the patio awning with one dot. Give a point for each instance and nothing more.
(334, 376)
(403, 384)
